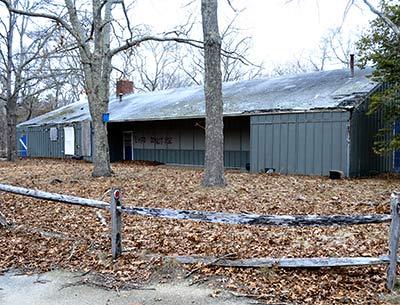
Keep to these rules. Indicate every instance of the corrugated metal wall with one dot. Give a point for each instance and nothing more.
(364, 127)
(309, 143)
(181, 141)
(40, 145)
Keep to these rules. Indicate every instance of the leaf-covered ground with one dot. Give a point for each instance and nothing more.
(80, 241)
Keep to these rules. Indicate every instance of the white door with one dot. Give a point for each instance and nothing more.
(69, 141)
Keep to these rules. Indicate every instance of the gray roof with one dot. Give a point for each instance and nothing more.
(302, 92)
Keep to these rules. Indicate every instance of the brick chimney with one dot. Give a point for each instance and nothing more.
(351, 65)
(124, 87)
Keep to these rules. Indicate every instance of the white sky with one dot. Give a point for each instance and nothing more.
(280, 31)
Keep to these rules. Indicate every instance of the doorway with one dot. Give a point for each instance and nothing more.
(127, 141)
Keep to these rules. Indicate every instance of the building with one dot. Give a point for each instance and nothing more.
(302, 124)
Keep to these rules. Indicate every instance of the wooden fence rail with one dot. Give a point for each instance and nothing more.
(258, 220)
(54, 197)
(117, 210)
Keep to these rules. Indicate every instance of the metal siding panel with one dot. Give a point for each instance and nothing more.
(301, 148)
(253, 147)
(363, 130)
(318, 147)
(274, 142)
(309, 164)
(261, 148)
(283, 140)
(171, 156)
(336, 146)
(344, 147)
(202, 156)
(268, 145)
(327, 131)
(292, 147)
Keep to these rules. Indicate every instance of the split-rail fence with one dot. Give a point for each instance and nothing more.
(117, 209)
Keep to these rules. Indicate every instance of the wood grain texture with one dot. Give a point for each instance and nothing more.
(393, 241)
(54, 197)
(314, 262)
(258, 220)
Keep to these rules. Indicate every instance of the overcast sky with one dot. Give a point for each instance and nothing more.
(280, 30)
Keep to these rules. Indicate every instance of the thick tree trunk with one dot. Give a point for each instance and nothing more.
(214, 155)
(101, 155)
(98, 104)
(97, 69)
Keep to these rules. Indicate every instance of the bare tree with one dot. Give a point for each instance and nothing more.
(23, 55)
(214, 154)
(237, 67)
(154, 67)
(92, 26)
(162, 66)
(333, 50)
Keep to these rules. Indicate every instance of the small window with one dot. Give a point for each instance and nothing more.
(53, 134)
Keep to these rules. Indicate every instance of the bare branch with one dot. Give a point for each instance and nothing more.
(390, 23)
(40, 15)
(137, 42)
(230, 4)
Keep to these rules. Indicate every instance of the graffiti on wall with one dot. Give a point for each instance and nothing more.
(152, 140)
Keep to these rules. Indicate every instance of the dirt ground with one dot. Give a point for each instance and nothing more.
(78, 240)
(67, 288)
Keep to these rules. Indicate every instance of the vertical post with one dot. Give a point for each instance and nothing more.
(393, 240)
(116, 245)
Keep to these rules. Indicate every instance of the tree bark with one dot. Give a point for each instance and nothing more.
(97, 68)
(101, 156)
(214, 154)
(11, 104)
(312, 262)
(11, 108)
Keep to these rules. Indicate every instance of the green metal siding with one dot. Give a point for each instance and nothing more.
(40, 145)
(232, 159)
(310, 143)
(181, 141)
(363, 129)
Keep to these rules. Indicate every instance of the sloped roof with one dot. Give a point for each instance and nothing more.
(319, 90)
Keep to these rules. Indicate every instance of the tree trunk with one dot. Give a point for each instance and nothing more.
(214, 155)
(11, 115)
(98, 104)
(100, 81)
(11, 104)
(101, 155)
(97, 68)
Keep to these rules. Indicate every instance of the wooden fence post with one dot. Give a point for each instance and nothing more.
(116, 244)
(393, 240)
